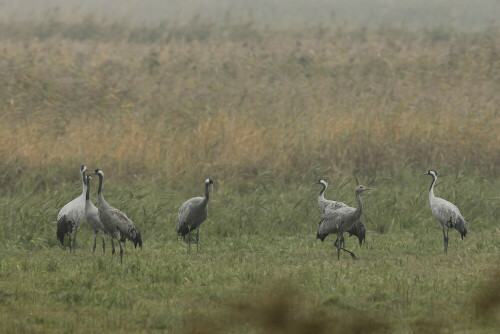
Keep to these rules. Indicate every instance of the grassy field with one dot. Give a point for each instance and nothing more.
(265, 112)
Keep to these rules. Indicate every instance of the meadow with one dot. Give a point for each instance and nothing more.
(265, 111)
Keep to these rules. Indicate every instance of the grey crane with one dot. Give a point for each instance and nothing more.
(115, 222)
(340, 221)
(327, 206)
(192, 213)
(92, 216)
(446, 213)
(72, 215)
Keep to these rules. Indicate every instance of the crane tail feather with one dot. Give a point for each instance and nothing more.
(134, 235)
(461, 226)
(321, 236)
(358, 229)
(64, 226)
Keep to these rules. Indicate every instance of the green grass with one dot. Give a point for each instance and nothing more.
(260, 268)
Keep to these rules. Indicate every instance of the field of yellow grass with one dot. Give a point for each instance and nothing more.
(233, 101)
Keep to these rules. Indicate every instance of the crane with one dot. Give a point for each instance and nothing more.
(328, 206)
(92, 216)
(72, 215)
(446, 213)
(192, 213)
(340, 221)
(115, 222)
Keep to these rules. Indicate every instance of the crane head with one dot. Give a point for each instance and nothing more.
(431, 172)
(361, 188)
(83, 169)
(99, 172)
(322, 181)
(210, 182)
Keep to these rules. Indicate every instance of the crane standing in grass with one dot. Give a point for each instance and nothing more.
(72, 215)
(115, 222)
(192, 213)
(446, 213)
(340, 221)
(92, 216)
(327, 206)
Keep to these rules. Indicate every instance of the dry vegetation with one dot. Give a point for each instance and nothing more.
(235, 100)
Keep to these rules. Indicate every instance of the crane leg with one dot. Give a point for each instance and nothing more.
(197, 237)
(74, 240)
(112, 248)
(95, 235)
(352, 254)
(338, 243)
(69, 241)
(445, 241)
(189, 239)
(121, 251)
(103, 243)
(338, 247)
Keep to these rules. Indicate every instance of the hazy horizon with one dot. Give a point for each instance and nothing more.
(461, 14)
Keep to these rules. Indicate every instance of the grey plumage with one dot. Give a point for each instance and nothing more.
(115, 222)
(446, 213)
(192, 214)
(340, 221)
(92, 216)
(327, 206)
(71, 216)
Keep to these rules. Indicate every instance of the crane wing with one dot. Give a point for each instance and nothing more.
(333, 206)
(358, 229)
(126, 227)
(186, 212)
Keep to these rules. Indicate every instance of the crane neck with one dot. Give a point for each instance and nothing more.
(207, 193)
(84, 184)
(431, 188)
(87, 195)
(359, 209)
(99, 190)
(322, 192)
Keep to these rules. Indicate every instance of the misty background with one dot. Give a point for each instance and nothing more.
(460, 14)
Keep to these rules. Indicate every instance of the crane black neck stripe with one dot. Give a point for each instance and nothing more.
(434, 179)
(322, 190)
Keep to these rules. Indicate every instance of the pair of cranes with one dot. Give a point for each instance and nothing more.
(339, 218)
(103, 219)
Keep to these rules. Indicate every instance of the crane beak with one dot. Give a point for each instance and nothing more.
(368, 188)
(425, 174)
